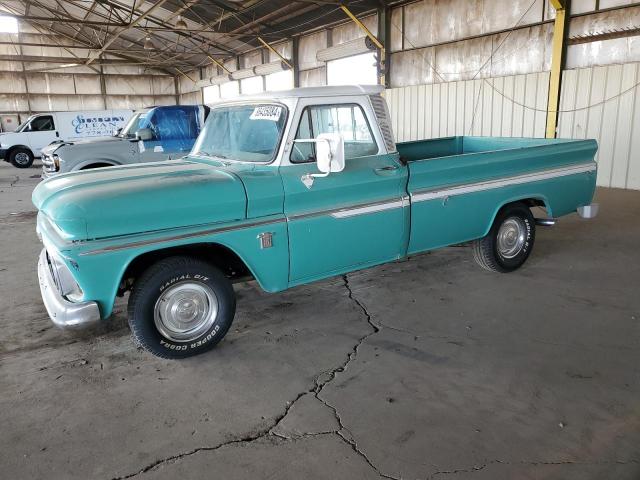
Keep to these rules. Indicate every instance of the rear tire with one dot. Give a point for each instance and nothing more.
(180, 307)
(509, 242)
(21, 157)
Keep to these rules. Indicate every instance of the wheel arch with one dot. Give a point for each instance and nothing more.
(530, 201)
(14, 147)
(222, 256)
(95, 163)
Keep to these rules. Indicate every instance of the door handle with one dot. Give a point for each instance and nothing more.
(388, 170)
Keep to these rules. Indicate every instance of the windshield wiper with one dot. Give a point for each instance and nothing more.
(211, 155)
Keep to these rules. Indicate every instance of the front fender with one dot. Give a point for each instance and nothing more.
(101, 266)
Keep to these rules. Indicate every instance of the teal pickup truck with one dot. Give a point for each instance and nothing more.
(288, 188)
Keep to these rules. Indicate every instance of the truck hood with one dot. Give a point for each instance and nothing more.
(9, 138)
(90, 143)
(113, 201)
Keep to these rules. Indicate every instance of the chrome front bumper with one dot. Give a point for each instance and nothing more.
(61, 311)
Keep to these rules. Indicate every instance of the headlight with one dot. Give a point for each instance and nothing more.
(51, 163)
(66, 284)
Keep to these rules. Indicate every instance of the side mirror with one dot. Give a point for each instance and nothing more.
(144, 134)
(329, 156)
(330, 152)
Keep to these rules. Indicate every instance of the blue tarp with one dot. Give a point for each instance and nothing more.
(174, 127)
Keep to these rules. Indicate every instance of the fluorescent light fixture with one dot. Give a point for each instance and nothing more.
(67, 65)
(347, 49)
(244, 73)
(269, 68)
(8, 24)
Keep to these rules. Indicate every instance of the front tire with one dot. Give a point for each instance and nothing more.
(21, 157)
(180, 307)
(509, 242)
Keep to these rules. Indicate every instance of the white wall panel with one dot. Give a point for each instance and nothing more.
(472, 107)
(192, 98)
(602, 103)
(127, 85)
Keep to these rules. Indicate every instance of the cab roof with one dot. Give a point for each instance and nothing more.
(332, 91)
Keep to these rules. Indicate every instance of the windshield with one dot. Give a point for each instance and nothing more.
(135, 123)
(22, 126)
(246, 133)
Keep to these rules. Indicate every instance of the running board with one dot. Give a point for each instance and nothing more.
(546, 222)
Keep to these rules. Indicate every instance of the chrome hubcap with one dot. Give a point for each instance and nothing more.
(185, 311)
(511, 237)
(22, 158)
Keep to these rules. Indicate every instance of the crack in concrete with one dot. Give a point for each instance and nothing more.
(318, 386)
(17, 179)
(242, 440)
(477, 468)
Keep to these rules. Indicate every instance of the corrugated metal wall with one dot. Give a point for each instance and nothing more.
(30, 87)
(599, 102)
(603, 103)
(471, 107)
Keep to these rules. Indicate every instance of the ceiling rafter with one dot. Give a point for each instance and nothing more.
(218, 29)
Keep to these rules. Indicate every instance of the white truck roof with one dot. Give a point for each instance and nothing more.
(332, 91)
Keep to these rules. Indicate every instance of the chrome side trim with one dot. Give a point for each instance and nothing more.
(183, 236)
(358, 209)
(372, 208)
(424, 195)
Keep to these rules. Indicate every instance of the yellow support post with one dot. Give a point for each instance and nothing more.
(185, 75)
(220, 64)
(284, 60)
(371, 36)
(556, 67)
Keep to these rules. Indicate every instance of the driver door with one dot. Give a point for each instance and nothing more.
(41, 132)
(349, 219)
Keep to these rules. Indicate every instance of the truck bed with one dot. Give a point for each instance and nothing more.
(470, 178)
(463, 145)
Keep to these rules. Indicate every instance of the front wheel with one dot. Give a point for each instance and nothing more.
(180, 307)
(509, 242)
(21, 157)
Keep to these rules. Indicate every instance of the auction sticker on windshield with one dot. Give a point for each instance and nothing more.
(266, 112)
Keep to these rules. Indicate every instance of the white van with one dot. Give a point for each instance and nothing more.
(38, 131)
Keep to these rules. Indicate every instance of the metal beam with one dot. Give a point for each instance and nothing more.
(269, 47)
(362, 27)
(116, 35)
(384, 35)
(71, 20)
(557, 63)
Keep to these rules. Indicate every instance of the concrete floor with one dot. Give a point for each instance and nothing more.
(430, 368)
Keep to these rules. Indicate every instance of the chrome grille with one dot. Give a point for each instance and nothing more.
(54, 273)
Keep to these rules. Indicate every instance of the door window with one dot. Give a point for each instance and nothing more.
(41, 124)
(347, 120)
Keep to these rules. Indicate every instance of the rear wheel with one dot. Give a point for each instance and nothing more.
(509, 242)
(180, 307)
(21, 157)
